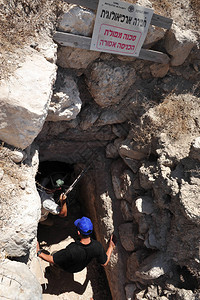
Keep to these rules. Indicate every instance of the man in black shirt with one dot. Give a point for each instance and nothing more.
(77, 255)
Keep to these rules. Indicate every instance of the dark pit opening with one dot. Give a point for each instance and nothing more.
(64, 229)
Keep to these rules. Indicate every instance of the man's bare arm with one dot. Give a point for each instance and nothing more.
(109, 251)
(44, 256)
(63, 211)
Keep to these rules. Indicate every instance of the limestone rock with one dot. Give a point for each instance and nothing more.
(154, 266)
(77, 20)
(75, 58)
(190, 201)
(140, 295)
(17, 156)
(127, 180)
(159, 223)
(122, 182)
(130, 149)
(144, 222)
(117, 168)
(154, 35)
(48, 49)
(159, 70)
(182, 294)
(133, 164)
(152, 292)
(147, 175)
(144, 205)
(195, 149)
(20, 221)
(133, 263)
(178, 44)
(89, 115)
(17, 282)
(111, 116)
(108, 83)
(21, 121)
(127, 233)
(126, 210)
(66, 103)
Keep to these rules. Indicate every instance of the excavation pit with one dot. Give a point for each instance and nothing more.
(92, 281)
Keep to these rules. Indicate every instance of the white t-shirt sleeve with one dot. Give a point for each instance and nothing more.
(51, 206)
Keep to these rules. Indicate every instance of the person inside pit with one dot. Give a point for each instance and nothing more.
(77, 255)
(48, 203)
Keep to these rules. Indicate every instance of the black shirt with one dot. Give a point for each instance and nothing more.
(76, 256)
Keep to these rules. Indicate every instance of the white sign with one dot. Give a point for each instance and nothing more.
(120, 27)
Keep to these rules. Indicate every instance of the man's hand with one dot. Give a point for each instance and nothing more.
(111, 243)
(63, 197)
(111, 246)
(63, 212)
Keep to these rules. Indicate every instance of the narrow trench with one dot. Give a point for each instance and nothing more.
(60, 232)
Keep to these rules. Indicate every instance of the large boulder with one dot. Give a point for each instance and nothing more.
(17, 282)
(66, 103)
(24, 100)
(75, 58)
(179, 43)
(154, 34)
(127, 233)
(20, 205)
(77, 20)
(108, 83)
(154, 266)
(133, 150)
(190, 201)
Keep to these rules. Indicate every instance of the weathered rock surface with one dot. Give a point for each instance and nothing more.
(127, 232)
(19, 222)
(144, 205)
(108, 84)
(132, 150)
(75, 58)
(179, 43)
(48, 49)
(17, 282)
(21, 121)
(77, 20)
(154, 34)
(126, 210)
(195, 149)
(190, 201)
(159, 70)
(66, 103)
(133, 263)
(154, 266)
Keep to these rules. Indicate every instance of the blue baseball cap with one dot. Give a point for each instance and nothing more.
(84, 225)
